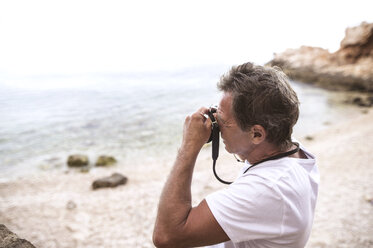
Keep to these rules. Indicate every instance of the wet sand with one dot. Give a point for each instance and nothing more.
(56, 209)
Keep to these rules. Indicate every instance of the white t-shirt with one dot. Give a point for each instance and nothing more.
(271, 205)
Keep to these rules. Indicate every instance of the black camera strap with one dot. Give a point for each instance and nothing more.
(215, 143)
(278, 156)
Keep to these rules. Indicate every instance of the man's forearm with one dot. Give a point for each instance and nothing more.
(175, 202)
(173, 227)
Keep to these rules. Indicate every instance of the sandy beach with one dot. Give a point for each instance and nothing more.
(59, 209)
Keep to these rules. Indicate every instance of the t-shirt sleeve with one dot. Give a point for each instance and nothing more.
(250, 208)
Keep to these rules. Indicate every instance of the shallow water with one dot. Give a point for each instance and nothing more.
(134, 117)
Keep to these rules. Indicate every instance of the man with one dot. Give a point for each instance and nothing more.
(272, 203)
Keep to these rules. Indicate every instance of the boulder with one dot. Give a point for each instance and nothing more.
(77, 160)
(111, 181)
(363, 101)
(105, 160)
(357, 43)
(11, 240)
(349, 68)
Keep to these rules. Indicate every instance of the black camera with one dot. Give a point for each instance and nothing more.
(215, 127)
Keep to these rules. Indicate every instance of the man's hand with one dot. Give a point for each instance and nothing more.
(197, 130)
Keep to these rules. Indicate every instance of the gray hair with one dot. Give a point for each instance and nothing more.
(263, 96)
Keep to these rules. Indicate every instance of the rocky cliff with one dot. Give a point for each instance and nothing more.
(350, 68)
(9, 239)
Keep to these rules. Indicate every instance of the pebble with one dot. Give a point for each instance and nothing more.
(71, 205)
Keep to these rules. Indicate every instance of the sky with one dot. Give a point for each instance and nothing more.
(77, 37)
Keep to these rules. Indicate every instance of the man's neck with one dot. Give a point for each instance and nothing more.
(262, 151)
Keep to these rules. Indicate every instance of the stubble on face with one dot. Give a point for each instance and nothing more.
(227, 123)
(236, 141)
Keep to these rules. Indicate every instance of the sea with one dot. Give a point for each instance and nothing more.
(136, 117)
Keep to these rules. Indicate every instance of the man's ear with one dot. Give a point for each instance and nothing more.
(258, 134)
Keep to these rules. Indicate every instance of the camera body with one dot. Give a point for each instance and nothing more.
(214, 137)
(215, 127)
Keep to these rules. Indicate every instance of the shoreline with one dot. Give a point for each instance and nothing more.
(55, 209)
